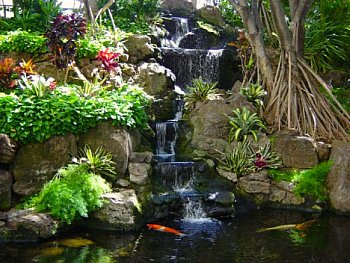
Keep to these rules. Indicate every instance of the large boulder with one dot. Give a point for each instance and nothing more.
(121, 211)
(282, 192)
(119, 142)
(6, 181)
(210, 126)
(37, 163)
(339, 177)
(296, 151)
(27, 225)
(140, 47)
(155, 79)
(7, 149)
(257, 183)
(177, 7)
(212, 15)
(200, 38)
(139, 173)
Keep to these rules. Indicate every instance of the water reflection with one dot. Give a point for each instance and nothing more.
(235, 240)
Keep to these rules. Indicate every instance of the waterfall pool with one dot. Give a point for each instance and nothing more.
(205, 240)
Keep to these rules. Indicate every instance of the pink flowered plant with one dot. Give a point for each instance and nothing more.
(107, 59)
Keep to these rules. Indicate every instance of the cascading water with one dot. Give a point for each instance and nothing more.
(181, 28)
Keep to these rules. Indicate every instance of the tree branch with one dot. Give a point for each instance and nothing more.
(283, 31)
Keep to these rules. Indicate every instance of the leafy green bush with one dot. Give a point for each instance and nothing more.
(230, 14)
(200, 91)
(244, 123)
(22, 41)
(99, 162)
(28, 118)
(327, 34)
(88, 47)
(133, 15)
(74, 192)
(313, 182)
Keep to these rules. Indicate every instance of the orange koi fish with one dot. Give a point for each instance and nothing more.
(164, 229)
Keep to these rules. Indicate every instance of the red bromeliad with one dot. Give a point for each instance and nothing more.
(107, 59)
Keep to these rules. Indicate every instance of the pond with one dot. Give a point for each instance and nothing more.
(204, 240)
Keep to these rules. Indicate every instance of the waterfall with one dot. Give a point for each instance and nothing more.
(166, 134)
(193, 210)
(181, 28)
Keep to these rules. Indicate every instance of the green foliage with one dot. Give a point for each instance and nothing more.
(328, 34)
(134, 15)
(88, 47)
(208, 27)
(240, 160)
(254, 93)
(244, 123)
(313, 182)
(28, 118)
(73, 193)
(36, 86)
(22, 41)
(343, 96)
(31, 15)
(200, 91)
(99, 162)
(308, 182)
(230, 14)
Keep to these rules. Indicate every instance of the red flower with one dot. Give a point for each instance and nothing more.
(107, 59)
(260, 162)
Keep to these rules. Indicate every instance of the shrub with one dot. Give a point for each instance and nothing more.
(28, 118)
(265, 157)
(22, 41)
(200, 91)
(230, 14)
(73, 193)
(244, 123)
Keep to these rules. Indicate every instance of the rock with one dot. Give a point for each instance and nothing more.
(257, 183)
(323, 151)
(119, 142)
(28, 225)
(139, 172)
(141, 157)
(200, 38)
(338, 180)
(121, 212)
(210, 125)
(282, 192)
(229, 175)
(220, 204)
(177, 7)
(140, 47)
(123, 183)
(296, 151)
(7, 149)
(37, 163)
(6, 181)
(155, 79)
(212, 15)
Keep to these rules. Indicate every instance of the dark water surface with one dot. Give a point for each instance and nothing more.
(206, 241)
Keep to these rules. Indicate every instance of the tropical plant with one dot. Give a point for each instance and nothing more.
(63, 36)
(107, 58)
(26, 68)
(200, 91)
(230, 15)
(73, 193)
(89, 89)
(244, 123)
(255, 94)
(36, 85)
(7, 81)
(265, 157)
(99, 162)
(240, 160)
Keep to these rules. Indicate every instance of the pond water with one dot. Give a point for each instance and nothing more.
(204, 240)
